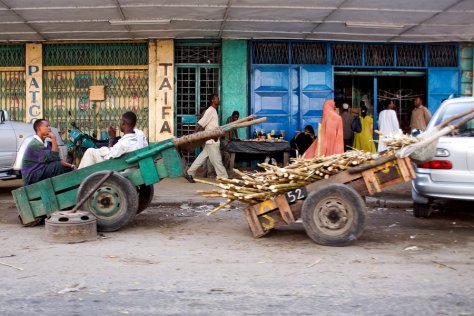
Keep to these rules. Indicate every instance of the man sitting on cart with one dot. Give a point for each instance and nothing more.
(131, 140)
(41, 160)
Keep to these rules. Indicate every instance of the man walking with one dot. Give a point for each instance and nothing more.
(420, 116)
(209, 121)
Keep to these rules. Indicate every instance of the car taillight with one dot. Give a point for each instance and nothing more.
(436, 164)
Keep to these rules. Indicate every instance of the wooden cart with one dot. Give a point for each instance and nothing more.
(332, 210)
(127, 192)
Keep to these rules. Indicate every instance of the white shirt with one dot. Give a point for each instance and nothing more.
(210, 120)
(388, 126)
(127, 143)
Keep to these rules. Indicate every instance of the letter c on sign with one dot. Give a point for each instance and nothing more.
(32, 112)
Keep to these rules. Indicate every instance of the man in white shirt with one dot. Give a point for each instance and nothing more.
(132, 140)
(388, 124)
(209, 121)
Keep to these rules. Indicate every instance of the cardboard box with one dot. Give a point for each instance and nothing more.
(96, 93)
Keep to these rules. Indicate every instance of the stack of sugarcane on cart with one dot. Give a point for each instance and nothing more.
(115, 190)
(326, 193)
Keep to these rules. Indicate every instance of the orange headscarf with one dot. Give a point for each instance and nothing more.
(330, 137)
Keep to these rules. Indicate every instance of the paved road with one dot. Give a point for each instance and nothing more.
(175, 260)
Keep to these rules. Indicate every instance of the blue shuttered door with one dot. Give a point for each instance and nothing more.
(291, 97)
(441, 84)
(317, 85)
(271, 98)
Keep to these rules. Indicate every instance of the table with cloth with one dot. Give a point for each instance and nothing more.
(258, 147)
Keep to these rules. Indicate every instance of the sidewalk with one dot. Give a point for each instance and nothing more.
(179, 190)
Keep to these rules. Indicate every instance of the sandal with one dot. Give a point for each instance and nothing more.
(189, 178)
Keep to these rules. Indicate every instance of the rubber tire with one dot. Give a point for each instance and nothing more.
(145, 196)
(334, 198)
(421, 210)
(125, 193)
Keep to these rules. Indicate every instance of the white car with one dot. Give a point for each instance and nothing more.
(14, 138)
(450, 175)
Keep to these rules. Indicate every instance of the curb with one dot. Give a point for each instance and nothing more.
(369, 201)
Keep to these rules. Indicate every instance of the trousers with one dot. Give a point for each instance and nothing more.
(91, 156)
(213, 152)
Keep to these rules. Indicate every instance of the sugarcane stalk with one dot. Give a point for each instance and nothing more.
(220, 207)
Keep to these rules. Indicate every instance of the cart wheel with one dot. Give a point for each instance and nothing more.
(114, 203)
(334, 215)
(421, 210)
(145, 196)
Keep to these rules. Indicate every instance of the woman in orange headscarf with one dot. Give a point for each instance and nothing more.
(330, 138)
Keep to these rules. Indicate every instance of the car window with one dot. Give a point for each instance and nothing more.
(454, 109)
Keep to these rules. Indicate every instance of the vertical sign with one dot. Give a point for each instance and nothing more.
(34, 82)
(164, 89)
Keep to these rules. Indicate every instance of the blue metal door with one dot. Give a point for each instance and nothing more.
(442, 82)
(271, 98)
(291, 97)
(317, 85)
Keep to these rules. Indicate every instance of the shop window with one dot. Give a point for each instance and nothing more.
(442, 55)
(270, 53)
(346, 54)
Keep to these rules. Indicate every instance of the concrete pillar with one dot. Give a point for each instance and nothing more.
(467, 69)
(234, 92)
(161, 89)
(34, 82)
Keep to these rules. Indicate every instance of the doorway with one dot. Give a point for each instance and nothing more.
(375, 88)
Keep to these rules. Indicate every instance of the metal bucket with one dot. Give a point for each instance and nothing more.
(71, 227)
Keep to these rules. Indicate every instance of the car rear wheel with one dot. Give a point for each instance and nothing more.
(421, 210)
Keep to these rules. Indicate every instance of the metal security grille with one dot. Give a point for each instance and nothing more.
(195, 86)
(198, 54)
(379, 55)
(308, 53)
(346, 54)
(12, 94)
(93, 54)
(66, 99)
(442, 56)
(186, 93)
(410, 56)
(270, 53)
(12, 55)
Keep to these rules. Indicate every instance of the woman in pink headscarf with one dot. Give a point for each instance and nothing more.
(330, 138)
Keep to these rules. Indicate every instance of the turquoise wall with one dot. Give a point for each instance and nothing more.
(466, 69)
(234, 95)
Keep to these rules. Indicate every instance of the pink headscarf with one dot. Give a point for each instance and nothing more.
(330, 137)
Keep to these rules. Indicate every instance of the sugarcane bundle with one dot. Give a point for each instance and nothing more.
(189, 142)
(423, 147)
(258, 186)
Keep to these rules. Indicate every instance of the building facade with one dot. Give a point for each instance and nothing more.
(168, 83)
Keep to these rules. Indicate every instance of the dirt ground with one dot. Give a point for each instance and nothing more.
(175, 260)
